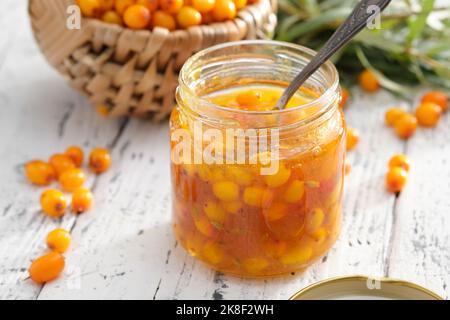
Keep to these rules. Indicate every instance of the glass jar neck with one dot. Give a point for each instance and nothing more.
(256, 62)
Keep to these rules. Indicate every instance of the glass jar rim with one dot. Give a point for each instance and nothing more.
(327, 95)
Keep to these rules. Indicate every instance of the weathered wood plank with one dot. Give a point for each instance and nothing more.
(421, 242)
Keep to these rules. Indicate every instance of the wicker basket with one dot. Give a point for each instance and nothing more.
(133, 72)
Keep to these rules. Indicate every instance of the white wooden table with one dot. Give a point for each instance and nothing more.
(124, 247)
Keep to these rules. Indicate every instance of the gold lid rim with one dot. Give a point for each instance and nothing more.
(404, 283)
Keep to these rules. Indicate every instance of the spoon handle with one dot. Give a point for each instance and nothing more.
(357, 20)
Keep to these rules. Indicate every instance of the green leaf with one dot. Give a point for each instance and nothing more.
(417, 24)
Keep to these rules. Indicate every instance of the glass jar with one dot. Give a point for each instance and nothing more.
(256, 193)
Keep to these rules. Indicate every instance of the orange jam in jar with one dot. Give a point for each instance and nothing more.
(256, 191)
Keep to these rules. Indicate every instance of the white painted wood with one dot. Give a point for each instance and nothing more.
(124, 247)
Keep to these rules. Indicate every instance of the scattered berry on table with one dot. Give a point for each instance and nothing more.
(428, 114)
(47, 267)
(39, 172)
(393, 114)
(82, 199)
(61, 163)
(406, 126)
(99, 160)
(438, 97)
(58, 240)
(72, 179)
(401, 161)
(76, 154)
(53, 203)
(396, 179)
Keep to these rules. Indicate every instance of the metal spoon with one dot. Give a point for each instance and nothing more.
(358, 19)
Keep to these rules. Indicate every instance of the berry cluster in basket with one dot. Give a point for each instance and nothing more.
(169, 14)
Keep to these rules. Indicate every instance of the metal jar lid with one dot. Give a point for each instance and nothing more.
(364, 288)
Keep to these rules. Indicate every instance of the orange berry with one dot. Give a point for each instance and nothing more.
(392, 115)
(39, 172)
(438, 97)
(61, 163)
(90, 8)
(82, 199)
(250, 98)
(224, 10)
(112, 17)
(396, 179)
(188, 17)
(58, 240)
(345, 94)
(72, 179)
(207, 18)
(368, 81)
(137, 17)
(240, 4)
(53, 203)
(348, 167)
(122, 5)
(401, 161)
(47, 267)
(352, 138)
(164, 20)
(428, 114)
(76, 154)
(171, 6)
(151, 5)
(107, 4)
(203, 6)
(99, 160)
(406, 126)
(102, 109)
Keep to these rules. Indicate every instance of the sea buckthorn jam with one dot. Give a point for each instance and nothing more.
(256, 191)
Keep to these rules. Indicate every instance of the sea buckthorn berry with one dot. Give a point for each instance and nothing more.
(348, 167)
(58, 240)
(437, 97)
(99, 160)
(39, 172)
(47, 267)
(203, 6)
(392, 115)
(110, 17)
(239, 175)
(224, 10)
(319, 235)
(396, 179)
(294, 193)
(368, 81)
(315, 219)
(204, 226)
(345, 94)
(279, 178)
(298, 255)
(250, 98)
(82, 199)
(253, 196)
(275, 248)
(240, 4)
(171, 6)
(122, 5)
(90, 8)
(76, 154)
(406, 126)
(207, 18)
(102, 110)
(72, 179)
(232, 207)
(61, 163)
(164, 20)
(276, 211)
(255, 265)
(428, 114)
(188, 17)
(151, 5)
(137, 17)
(215, 212)
(352, 138)
(401, 161)
(212, 253)
(226, 190)
(107, 4)
(53, 203)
